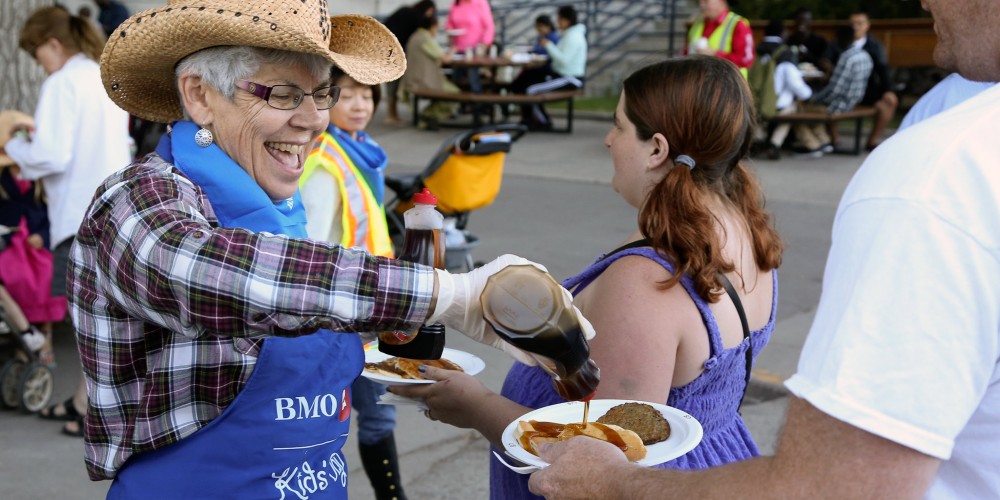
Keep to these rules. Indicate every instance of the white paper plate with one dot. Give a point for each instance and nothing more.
(469, 362)
(685, 430)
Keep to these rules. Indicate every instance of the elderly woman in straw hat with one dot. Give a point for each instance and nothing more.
(203, 315)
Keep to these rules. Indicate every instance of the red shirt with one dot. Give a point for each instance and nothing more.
(743, 47)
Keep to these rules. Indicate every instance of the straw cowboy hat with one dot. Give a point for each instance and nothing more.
(8, 120)
(138, 62)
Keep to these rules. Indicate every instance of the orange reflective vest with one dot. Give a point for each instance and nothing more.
(362, 218)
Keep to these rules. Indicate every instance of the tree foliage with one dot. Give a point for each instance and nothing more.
(784, 9)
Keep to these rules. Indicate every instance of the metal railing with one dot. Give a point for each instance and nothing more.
(610, 25)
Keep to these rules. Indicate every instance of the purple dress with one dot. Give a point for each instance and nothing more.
(713, 398)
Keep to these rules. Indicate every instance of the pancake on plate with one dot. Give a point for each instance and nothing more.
(408, 368)
(531, 433)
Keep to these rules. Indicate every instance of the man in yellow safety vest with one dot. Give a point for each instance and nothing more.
(718, 31)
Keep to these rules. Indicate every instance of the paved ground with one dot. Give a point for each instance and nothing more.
(556, 207)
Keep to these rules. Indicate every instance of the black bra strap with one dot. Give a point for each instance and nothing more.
(635, 244)
(746, 329)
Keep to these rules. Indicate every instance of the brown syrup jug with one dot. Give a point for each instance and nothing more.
(423, 243)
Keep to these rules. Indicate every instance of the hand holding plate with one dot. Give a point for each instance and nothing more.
(470, 364)
(572, 465)
(453, 397)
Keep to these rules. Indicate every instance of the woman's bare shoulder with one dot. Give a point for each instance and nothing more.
(635, 281)
(629, 307)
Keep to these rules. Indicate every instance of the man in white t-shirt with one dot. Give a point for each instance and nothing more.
(897, 393)
(951, 91)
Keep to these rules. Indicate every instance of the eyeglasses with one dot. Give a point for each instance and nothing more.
(290, 96)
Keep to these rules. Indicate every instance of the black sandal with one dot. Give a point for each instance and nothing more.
(69, 413)
(79, 427)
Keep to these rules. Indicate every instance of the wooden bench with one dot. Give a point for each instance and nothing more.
(909, 43)
(493, 98)
(858, 114)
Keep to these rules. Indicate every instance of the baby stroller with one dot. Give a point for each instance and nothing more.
(24, 382)
(465, 175)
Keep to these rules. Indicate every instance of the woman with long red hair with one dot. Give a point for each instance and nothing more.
(681, 306)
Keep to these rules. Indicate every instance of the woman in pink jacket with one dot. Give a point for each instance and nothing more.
(471, 21)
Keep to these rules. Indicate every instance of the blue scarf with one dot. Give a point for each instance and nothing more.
(368, 156)
(235, 196)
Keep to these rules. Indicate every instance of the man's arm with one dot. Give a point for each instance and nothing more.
(742, 53)
(841, 83)
(848, 83)
(828, 92)
(794, 81)
(818, 456)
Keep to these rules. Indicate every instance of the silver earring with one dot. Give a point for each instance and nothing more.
(203, 137)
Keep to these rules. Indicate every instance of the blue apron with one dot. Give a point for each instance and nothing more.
(280, 438)
(282, 435)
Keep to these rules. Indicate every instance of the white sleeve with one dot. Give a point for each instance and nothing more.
(51, 147)
(905, 338)
(321, 199)
(793, 79)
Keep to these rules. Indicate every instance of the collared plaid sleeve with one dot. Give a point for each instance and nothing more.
(165, 260)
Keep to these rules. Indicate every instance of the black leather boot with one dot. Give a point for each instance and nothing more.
(382, 466)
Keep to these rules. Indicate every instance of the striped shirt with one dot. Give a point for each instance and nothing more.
(171, 310)
(848, 83)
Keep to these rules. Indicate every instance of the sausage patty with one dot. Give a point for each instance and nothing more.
(640, 418)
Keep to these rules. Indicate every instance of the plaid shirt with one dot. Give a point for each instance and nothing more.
(848, 83)
(170, 309)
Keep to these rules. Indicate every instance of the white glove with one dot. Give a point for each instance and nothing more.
(458, 305)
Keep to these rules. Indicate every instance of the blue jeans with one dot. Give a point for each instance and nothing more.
(475, 81)
(375, 421)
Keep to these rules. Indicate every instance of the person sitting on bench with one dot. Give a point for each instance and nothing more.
(424, 57)
(842, 93)
(569, 62)
(789, 87)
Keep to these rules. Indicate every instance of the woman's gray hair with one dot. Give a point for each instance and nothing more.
(221, 67)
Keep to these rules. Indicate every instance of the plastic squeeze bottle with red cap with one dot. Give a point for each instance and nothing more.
(423, 243)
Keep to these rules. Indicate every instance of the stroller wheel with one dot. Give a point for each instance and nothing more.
(35, 387)
(10, 383)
